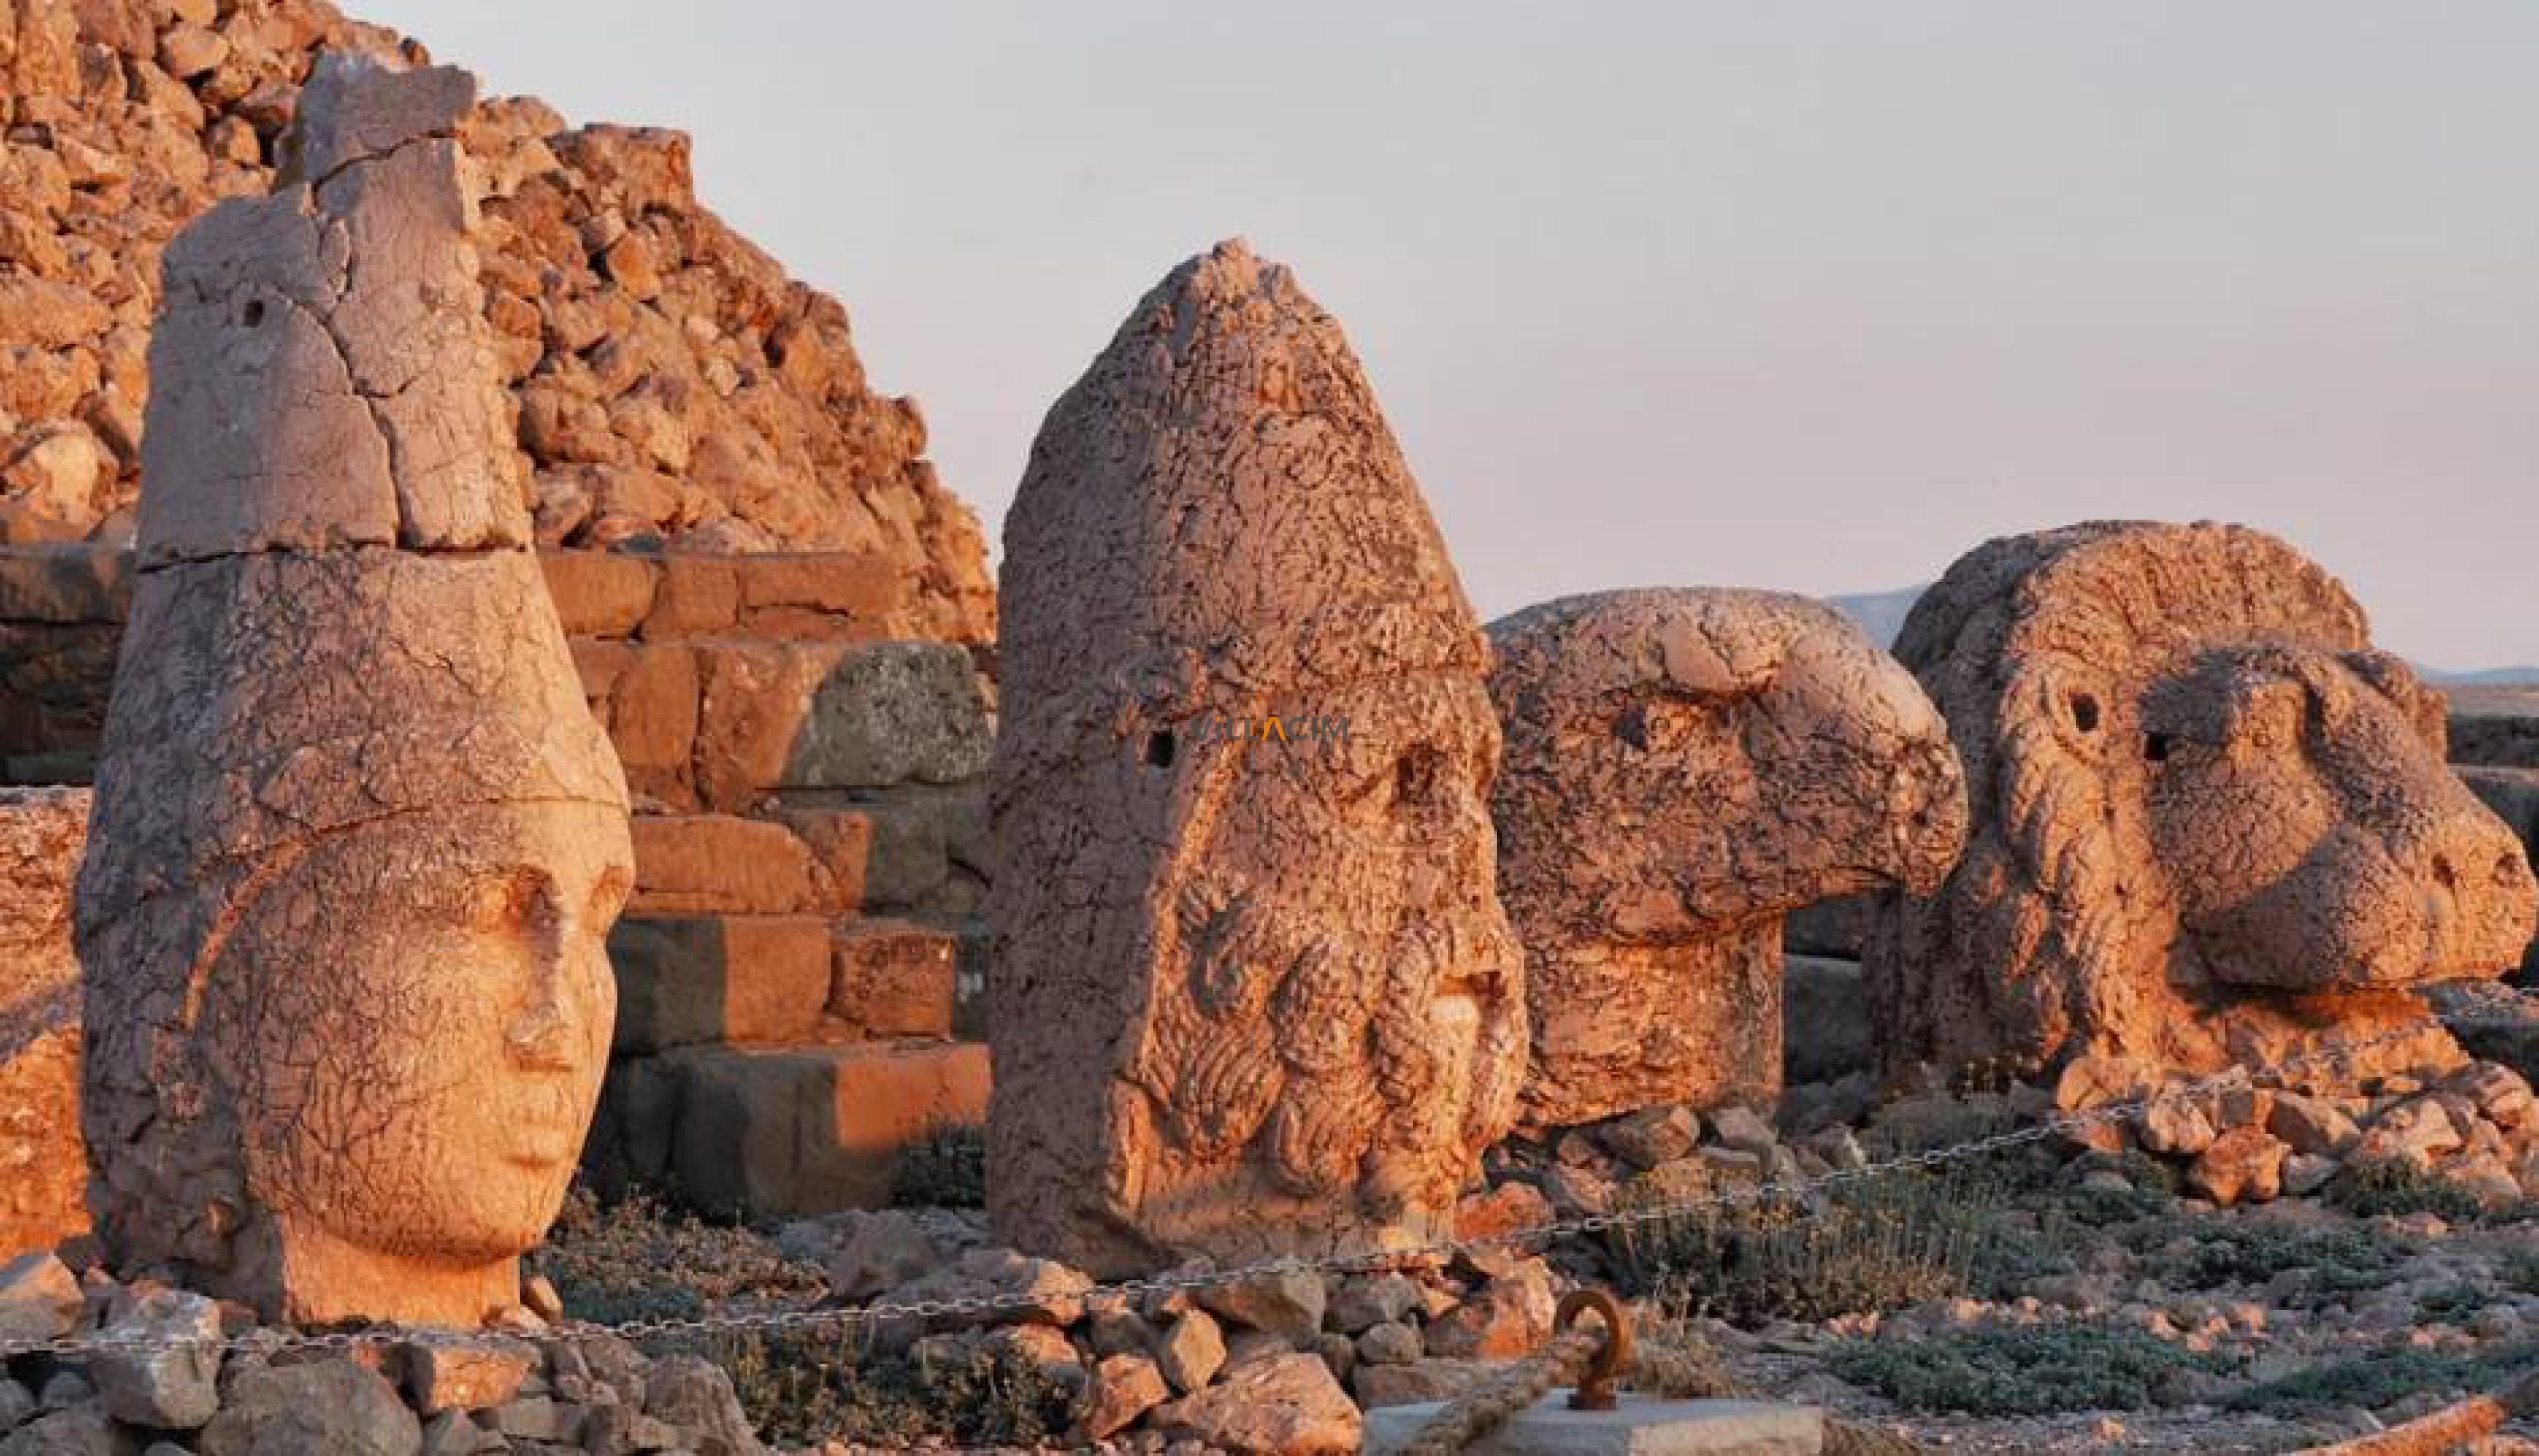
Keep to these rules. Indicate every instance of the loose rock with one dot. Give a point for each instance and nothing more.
(1286, 1406)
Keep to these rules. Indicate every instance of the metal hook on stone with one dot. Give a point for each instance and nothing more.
(1594, 1390)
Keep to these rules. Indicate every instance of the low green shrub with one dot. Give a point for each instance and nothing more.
(2520, 1272)
(2453, 1304)
(1936, 1120)
(2209, 1252)
(2147, 1173)
(2103, 1208)
(2384, 1377)
(1878, 1245)
(2031, 1371)
(804, 1389)
(2388, 1186)
(640, 1259)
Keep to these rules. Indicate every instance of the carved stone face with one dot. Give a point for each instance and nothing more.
(422, 1008)
(1251, 992)
(357, 838)
(2317, 839)
(1347, 1005)
(2212, 824)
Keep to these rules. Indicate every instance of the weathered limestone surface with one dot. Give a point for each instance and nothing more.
(671, 384)
(357, 841)
(1683, 768)
(1249, 995)
(325, 375)
(2514, 795)
(42, 1169)
(2210, 823)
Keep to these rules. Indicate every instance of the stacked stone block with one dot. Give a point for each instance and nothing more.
(2495, 749)
(42, 1171)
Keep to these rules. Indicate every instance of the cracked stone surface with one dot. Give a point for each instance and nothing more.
(1249, 995)
(2211, 823)
(340, 124)
(357, 841)
(1685, 767)
(322, 360)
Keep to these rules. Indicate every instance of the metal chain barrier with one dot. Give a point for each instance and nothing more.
(2512, 1010)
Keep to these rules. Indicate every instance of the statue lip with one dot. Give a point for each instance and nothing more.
(542, 1130)
(542, 1145)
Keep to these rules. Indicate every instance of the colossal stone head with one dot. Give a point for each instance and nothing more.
(357, 840)
(1253, 992)
(1683, 768)
(2211, 822)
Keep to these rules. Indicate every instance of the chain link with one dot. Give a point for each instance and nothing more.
(2523, 1009)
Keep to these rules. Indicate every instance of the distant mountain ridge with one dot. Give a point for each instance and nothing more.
(2484, 677)
(1881, 615)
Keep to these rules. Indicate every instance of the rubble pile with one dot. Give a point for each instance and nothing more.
(520, 1389)
(673, 385)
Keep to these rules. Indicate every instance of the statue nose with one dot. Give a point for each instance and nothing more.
(2475, 854)
(540, 1033)
(2480, 871)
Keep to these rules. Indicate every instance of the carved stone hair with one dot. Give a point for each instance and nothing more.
(2038, 649)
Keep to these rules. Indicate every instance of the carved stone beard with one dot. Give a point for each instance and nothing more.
(1334, 1069)
(1467, 971)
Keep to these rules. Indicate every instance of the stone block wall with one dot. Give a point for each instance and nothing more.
(798, 970)
(61, 615)
(43, 1169)
(2495, 749)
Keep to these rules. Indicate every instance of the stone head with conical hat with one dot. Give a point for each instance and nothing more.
(357, 841)
(1253, 992)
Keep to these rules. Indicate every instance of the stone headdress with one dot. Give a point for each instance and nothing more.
(1217, 521)
(1214, 513)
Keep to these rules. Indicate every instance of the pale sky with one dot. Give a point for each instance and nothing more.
(1805, 297)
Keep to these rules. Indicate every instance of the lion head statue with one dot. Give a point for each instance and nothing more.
(2210, 823)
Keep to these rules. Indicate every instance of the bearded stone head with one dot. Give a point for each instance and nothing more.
(2211, 823)
(1252, 990)
(1683, 768)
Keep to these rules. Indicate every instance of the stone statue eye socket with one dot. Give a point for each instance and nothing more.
(610, 894)
(507, 902)
(2155, 747)
(2084, 712)
(1415, 775)
(1160, 748)
(251, 313)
